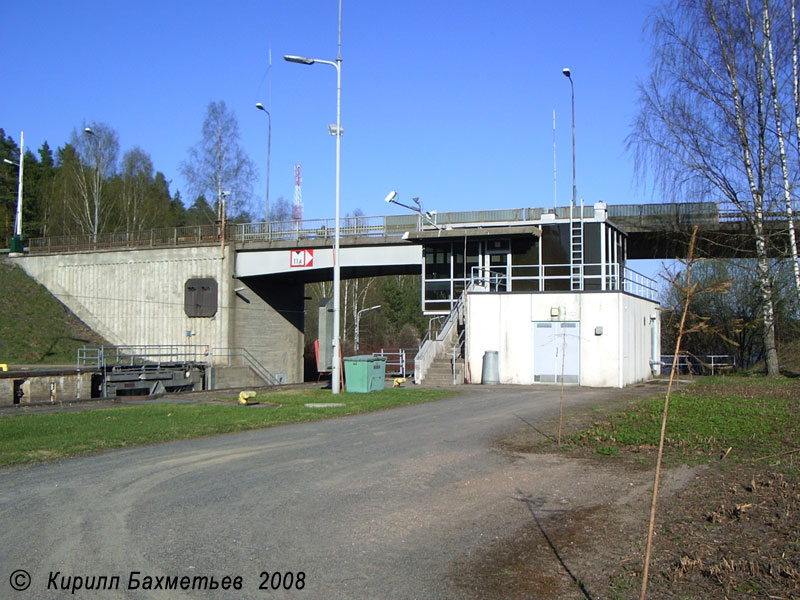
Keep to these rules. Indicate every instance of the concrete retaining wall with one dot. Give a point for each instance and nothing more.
(36, 387)
(136, 297)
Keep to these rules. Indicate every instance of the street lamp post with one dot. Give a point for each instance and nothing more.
(96, 191)
(16, 239)
(337, 274)
(358, 320)
(568, 75)
(260, 106)
(392, 199)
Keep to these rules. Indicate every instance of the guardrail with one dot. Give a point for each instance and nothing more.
(458, 351)
(396, 361)
(697, 365)
(99, 357)
(242, 357)
(430, 349)
(390, 226)
(558, 278)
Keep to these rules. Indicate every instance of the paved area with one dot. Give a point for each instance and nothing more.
(374, 506)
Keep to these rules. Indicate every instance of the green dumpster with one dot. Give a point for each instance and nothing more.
(364, 373)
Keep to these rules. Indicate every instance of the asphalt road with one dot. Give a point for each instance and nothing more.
(380, 505)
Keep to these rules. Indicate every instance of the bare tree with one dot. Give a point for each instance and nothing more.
(218, 163)
(705, 123)
(97, 147)
(779, 128)
(281, 210)
(137, 177)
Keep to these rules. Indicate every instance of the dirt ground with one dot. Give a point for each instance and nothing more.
(726, 529)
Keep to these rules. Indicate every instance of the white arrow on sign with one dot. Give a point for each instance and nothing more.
(301, 258)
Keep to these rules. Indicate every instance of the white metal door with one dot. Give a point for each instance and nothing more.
(556, 352)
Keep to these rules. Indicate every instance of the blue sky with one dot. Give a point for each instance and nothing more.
(451, 102)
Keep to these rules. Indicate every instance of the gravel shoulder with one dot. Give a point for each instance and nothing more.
(725, 529)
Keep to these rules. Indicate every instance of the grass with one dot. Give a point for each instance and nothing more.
(29, 438)
(756, 416)
(35, 328)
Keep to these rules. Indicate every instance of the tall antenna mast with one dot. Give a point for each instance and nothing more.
(297, 207)
(555, 180)
(269, 80)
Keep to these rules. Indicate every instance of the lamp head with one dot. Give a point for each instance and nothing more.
(260, 106)
(566, 73)
(298, 59)
(391, 197)
(88, 131)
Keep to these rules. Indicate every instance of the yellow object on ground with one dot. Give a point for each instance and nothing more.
(398, 381)
(245, 395)
(3, 367)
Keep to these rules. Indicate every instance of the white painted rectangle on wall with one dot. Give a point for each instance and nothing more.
(556, 352)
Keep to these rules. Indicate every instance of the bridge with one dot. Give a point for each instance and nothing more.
(654, 231)
(242, 285)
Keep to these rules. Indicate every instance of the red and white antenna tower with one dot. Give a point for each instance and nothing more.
(297, 206)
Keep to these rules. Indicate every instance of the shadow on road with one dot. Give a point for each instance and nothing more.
(533, 505)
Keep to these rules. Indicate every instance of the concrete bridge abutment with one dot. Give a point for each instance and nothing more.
(143, 297)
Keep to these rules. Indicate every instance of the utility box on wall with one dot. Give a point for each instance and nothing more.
(200, 297)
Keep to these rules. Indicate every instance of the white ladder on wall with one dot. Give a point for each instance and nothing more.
(576, 247)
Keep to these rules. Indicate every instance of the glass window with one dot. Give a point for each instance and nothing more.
(555, 244)
(437, 261)
(437, 290)
(525, 251)
(592, 243)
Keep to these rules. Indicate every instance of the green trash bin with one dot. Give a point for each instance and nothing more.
(365, 373)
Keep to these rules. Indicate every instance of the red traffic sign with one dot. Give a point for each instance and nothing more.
(301, 258)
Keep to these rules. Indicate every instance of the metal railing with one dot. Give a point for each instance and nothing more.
(100, 357)
(151, 238)
(458, 351)
(389, 226)
(396, 361)
(697, 365)
(431, 348)
(242, 357)
(557, 278)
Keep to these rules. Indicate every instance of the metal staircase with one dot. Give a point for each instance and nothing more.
(443, 357)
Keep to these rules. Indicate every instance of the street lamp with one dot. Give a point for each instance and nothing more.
(391, 198)
(16, 239)
(568, 75)
(358, 319)
(260, 106)
(96, 191)
(337, 274)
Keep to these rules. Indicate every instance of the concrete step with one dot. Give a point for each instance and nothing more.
(440, 373)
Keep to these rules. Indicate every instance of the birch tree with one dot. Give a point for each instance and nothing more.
(97, 147)
(779, 128)
(218, 163)
(705, 120)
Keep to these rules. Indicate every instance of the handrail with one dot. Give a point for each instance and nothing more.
(400, 363)
(430, 349)
(100, 357)
(708, 361)
(458, 348)
(143, 354)
(251, 361)
(387, 226)
(494, 279)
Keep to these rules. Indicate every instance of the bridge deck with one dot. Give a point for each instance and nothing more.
(654, 230)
